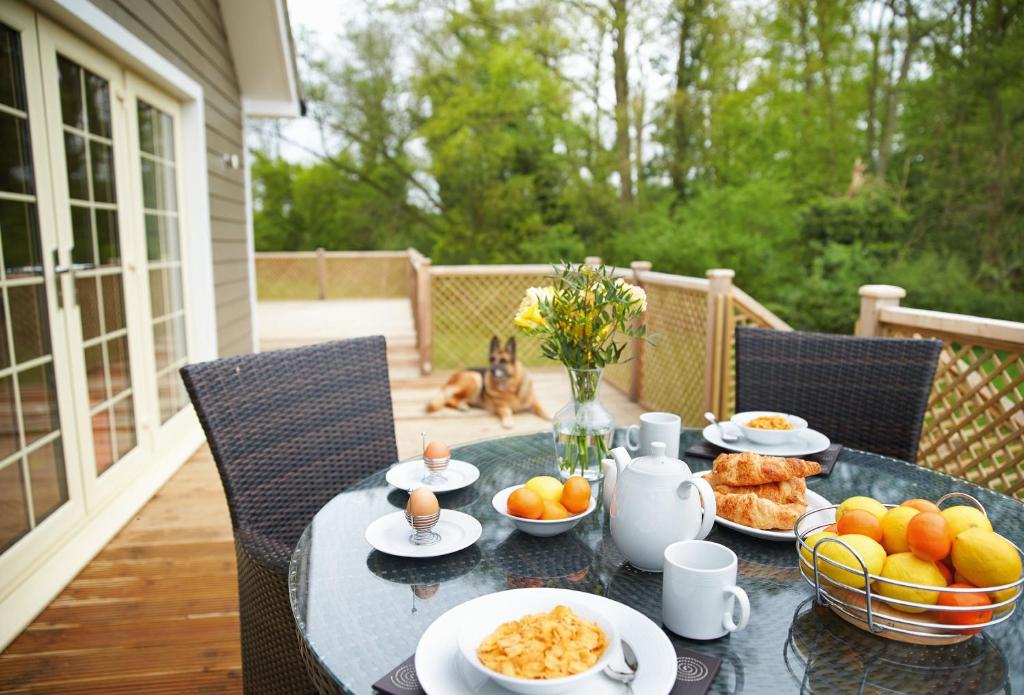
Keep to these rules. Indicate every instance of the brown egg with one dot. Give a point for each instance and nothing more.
(437, 450)
(422, 502)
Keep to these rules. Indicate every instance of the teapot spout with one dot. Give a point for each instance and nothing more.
(612, 468)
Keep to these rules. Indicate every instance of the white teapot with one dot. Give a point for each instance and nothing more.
(652, 504)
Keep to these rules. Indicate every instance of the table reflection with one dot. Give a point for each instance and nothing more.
(826, 654)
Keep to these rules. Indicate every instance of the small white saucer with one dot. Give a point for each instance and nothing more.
(390, 534)
(804, 444)
(410, 474)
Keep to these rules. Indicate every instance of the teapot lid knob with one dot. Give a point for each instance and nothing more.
(658, 451)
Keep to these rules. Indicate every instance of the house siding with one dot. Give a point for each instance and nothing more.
(190, 34)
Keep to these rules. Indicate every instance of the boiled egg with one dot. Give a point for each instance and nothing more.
(422, 502)
(437, 450)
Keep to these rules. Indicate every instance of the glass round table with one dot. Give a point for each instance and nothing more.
(360, 612)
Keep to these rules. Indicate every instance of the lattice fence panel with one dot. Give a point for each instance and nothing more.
(673, 370)
(366, 276)
(741, 316)
(974, 425)
(621, 375)
(287, 277)
(467, 310)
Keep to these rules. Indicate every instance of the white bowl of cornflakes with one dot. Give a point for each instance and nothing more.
(515, 644)
(769, 427)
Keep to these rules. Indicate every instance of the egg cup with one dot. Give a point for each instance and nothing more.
(422, 525)
(435, 470)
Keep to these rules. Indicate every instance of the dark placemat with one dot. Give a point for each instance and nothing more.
(401, 680)
(694, 674)
(826, 459)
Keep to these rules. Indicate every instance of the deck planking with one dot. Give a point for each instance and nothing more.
(156, 611)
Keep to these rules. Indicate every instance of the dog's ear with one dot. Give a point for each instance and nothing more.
(510, 348)
(495, 344)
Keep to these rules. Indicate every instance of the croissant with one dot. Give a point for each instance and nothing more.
(749, 468)
(750, 510)
(782, 492)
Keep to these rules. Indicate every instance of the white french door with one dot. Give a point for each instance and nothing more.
(93, 301)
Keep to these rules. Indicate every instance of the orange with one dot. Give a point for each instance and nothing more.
(978, 600)
(860, 521)
(554, 510)
(921, 505)
(831, 528)
(928, 536)
(576, 494)
(526, 504)
(947, 573)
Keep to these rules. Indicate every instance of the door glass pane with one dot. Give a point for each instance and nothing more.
(85, 106)
(166, 300)
(32, 482)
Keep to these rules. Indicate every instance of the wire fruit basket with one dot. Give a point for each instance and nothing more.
(867, 609)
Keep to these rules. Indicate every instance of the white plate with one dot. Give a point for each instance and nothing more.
(814, 500)
(807, 442)
(409, 475)
(544, 528)
(390, 534)
(442, 670)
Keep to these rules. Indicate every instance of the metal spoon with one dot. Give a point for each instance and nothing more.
(726, 436)
(632, 664)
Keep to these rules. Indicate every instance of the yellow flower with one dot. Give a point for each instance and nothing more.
(636, 294)
(528, 317)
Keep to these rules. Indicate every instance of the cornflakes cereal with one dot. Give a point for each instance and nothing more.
(770, 422)
(543, 645)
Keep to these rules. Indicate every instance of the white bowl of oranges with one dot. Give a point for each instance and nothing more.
(941, 574)
(545, 506)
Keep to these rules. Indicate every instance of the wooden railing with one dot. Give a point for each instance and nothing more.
(459, 308)
(320, 274)
(974, 425)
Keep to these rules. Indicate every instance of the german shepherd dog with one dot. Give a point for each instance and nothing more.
(502, 388)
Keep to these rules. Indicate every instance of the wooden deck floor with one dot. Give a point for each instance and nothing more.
(157, 610)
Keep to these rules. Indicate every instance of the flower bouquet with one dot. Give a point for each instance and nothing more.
(585, 318)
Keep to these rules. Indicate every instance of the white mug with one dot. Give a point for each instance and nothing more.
(654, 427)
(699, 593)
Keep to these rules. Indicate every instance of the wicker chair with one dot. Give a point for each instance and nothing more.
(289, 430)
(866, 393)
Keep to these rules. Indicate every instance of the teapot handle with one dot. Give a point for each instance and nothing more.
(707, 500)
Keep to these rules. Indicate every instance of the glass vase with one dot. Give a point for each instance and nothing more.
(583, 428)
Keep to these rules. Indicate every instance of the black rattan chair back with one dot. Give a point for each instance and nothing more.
(288, 430)
(866, 393)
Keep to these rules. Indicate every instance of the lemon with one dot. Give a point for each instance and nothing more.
(962, 517)
(869, 551)
(868, 504)
(894, 529)
(907, 567)
(808, 552)
(1000, 596)
(985, 558)
(547, 487)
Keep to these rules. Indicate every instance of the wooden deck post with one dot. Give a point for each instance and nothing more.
(716, 365)
(636, 381)
(423, 315)
(873, 298)
(321, 272)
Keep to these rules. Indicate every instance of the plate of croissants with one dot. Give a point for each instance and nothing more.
(763, 496)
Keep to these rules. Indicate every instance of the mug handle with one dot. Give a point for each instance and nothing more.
(629, 440)
(736, 595)
(707, 501)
